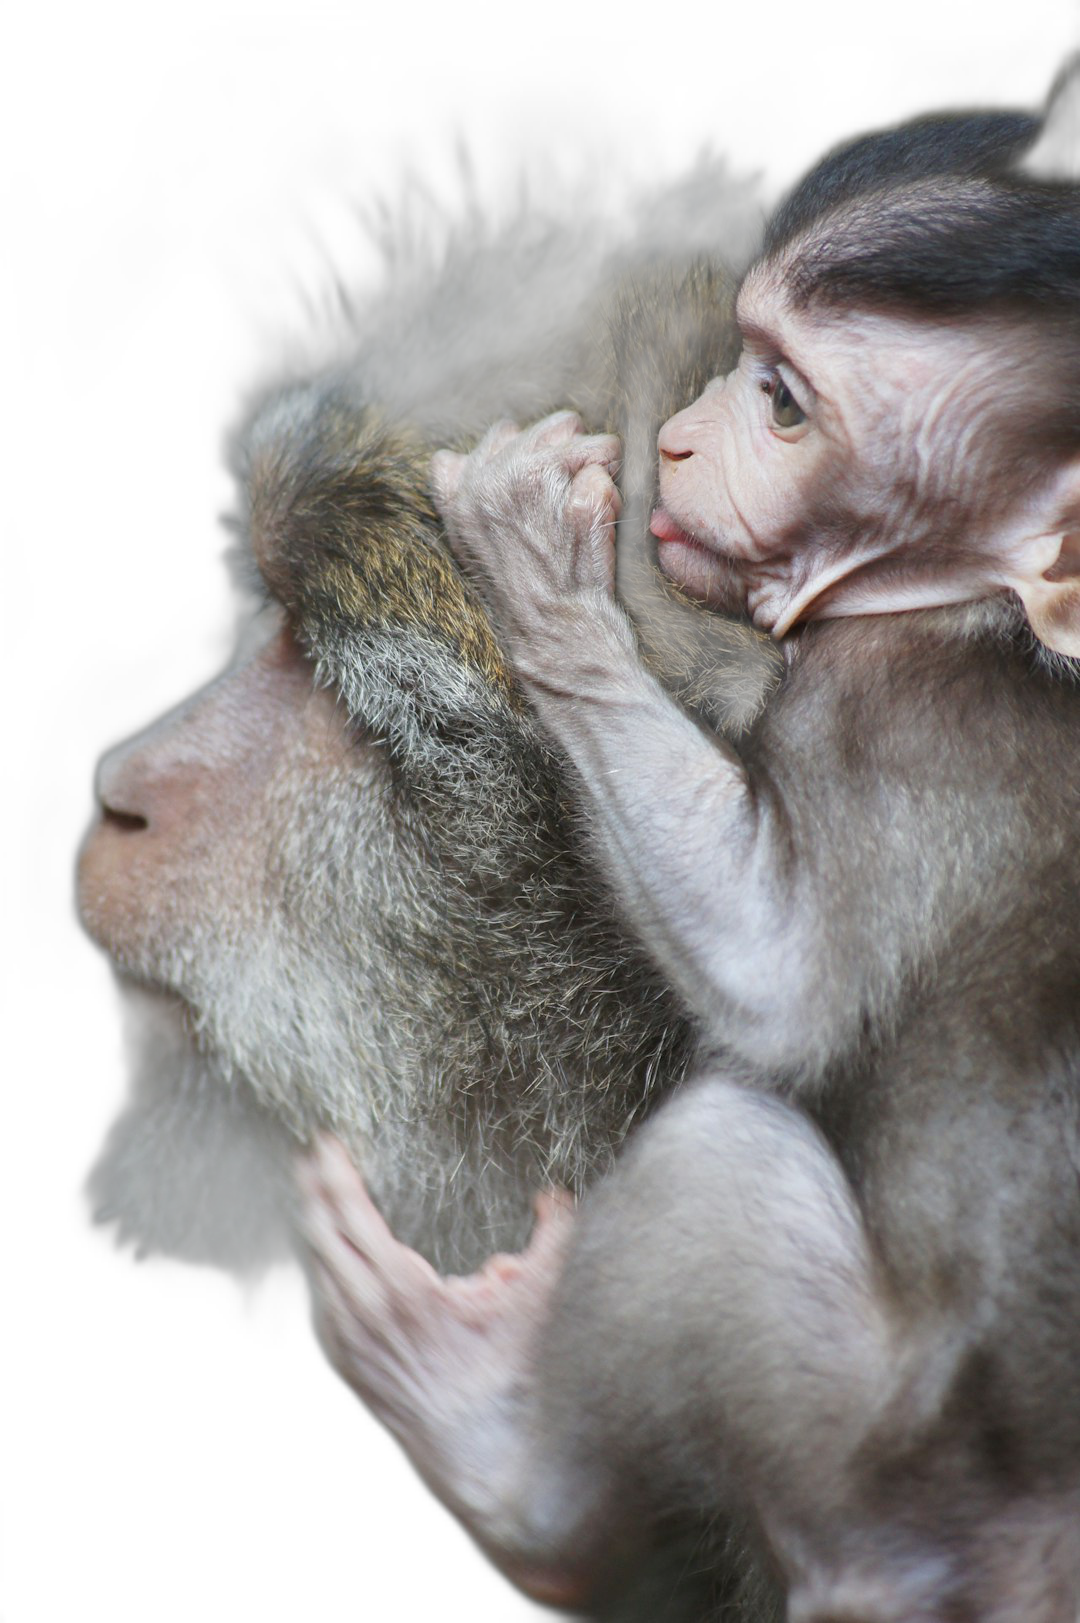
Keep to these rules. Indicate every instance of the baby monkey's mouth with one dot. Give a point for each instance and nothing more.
(775, 592)
(708, 573)
(664, 527)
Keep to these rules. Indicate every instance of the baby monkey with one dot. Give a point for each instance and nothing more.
(834, 1285)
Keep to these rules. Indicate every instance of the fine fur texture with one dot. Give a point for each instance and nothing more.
(381, 918)
(468, 1012)
(831, 1286)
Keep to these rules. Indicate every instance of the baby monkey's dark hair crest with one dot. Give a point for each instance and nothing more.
(973, 144)
(950, 247)
(937, 217)
(938, 220)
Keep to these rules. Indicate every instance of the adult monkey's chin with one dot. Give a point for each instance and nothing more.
(194, 1167)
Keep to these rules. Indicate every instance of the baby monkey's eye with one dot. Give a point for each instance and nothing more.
(786, 411)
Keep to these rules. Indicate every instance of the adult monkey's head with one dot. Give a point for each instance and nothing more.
(345, 886)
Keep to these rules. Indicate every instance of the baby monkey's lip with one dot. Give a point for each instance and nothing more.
(664, 527)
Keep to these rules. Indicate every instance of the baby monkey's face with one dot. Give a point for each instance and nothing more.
(845, 466)
(740, 471)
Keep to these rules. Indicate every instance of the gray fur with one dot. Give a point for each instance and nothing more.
(430, 967)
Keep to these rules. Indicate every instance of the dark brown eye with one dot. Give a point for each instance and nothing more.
(786, 411)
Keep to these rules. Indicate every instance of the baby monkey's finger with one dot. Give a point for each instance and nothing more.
(444, 475)
(594, 495)
(592, 450)
(498, 436)
(558, 429)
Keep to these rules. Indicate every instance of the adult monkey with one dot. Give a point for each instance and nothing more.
(364, 905)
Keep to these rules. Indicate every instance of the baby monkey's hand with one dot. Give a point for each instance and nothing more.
(535, 512)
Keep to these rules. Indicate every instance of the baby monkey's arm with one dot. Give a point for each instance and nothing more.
(534, 513)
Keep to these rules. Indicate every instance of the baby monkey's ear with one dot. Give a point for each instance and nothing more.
(1056, 153)
(1045, 571)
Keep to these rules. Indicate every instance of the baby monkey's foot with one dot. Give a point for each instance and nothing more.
(448, 1365)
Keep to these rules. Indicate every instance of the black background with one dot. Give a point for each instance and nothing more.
(176, 205)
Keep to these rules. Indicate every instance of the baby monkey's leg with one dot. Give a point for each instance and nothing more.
(722, 1337)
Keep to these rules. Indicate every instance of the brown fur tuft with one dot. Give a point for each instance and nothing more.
(348, 534)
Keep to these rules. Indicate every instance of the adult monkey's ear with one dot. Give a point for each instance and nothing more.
(1044, 569)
